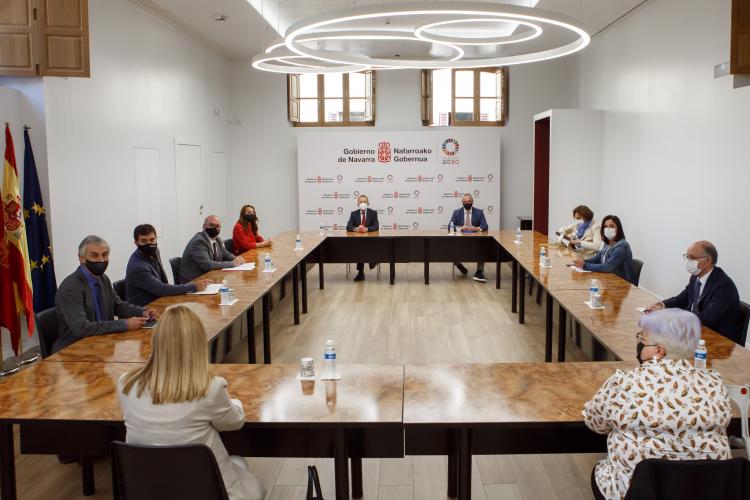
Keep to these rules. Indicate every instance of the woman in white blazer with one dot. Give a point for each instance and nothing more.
(174, 399)
(584, 232)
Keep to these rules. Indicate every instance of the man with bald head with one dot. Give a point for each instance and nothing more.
(206, 252)
(710, 293)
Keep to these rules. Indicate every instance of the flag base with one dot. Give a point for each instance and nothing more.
(9, 366)
(29, 356)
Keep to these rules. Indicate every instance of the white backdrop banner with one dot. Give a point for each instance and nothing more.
(413, 179)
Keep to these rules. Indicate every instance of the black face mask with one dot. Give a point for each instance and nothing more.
(212, 232)
(250, 217)
(148, 250)
(96, 268)
(638, 350)
(467, 206)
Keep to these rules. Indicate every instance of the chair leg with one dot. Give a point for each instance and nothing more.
(87, 476)
(538, 294)
(348, 269)
(378, 270)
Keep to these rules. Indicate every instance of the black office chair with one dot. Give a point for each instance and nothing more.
(229, 245)
(119, 287)
(637, 268)
(745, 316)
(165, 473)
(48, 327)
(175, 263)
(655, 479)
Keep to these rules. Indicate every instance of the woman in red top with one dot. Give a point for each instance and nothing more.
(245, 235)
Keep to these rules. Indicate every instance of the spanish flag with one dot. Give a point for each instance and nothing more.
(16, 298)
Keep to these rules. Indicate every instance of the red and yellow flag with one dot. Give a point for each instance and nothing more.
(16, 298)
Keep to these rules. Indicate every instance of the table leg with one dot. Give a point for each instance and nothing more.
(393, 260)
(453, 474)
(320, 266)
(499, 268)
(548, 329)
(356, 465)
(251, 356)
(7, 463)
(521, 295)
(87, 473)
(426, 261)
(464, 464)
(295, 293)
(303, 278)
(514, 288)
(267, 328)
(562, 323)
(341, 465)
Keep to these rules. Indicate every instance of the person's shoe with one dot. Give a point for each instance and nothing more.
(360, 276)
(462, 268)
(479, 276)
(373, 265)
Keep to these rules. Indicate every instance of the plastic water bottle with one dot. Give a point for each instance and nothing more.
(322, 229)
(298, 243)
(268, 262)
(701, 355)
(594, 293)
(519, 234)
(224, 293)
(329, 359)
(451, 229)
(542, 256)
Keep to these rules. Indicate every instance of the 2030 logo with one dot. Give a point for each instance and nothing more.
(450, 147)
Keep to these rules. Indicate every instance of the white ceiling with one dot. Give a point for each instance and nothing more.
(246, 34)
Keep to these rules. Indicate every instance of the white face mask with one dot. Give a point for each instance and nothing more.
(579, 222)
(691, 266)
(610, 233)
(363, 206)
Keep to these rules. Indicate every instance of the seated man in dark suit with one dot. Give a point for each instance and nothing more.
(710, 293)
(87, 304)
(363, 220)
(145, 279)
(470, 219)
(206, 252)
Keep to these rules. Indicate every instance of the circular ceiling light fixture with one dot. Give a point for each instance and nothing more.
(417, 22)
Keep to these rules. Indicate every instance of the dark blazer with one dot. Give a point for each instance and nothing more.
(477, 218)
(145, 280)
(371, 220)
(198, 257)
(616, 259)
(74, 303)
(718, 306)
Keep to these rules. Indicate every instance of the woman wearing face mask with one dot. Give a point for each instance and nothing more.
(665, 408)
(245, 234)
(584, 233)
(615, 255)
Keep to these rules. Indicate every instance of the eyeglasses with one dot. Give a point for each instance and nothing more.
(687, 257)
(639, 336)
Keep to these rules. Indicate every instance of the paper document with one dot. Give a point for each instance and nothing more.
(578, 270)
(247, 266)
(211, 289)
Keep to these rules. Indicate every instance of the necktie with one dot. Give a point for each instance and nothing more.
(213, 246)
(99, 296)
(467, 218)
(696, 295)
(363, 218)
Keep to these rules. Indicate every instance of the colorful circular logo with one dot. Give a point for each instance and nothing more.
(450, 147)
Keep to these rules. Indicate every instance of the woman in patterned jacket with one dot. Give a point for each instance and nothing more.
(664, 408)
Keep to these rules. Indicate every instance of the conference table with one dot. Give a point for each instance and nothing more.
(67, 403)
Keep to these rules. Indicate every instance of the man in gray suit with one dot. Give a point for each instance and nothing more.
(87, 304)
(205, 252)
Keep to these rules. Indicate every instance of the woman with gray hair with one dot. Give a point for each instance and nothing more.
(664, 408)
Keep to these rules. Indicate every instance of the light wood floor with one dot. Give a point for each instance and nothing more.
(453, 320)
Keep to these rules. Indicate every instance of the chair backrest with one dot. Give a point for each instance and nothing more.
(637, 267)
(165, 473)
(740, 394)
(745, 321)
(175, 263)
(120, 287)
(689, 479)
(48, 326)
(229, 245)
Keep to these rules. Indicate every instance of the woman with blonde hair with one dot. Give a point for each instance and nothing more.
(665, 408)
(174, 399)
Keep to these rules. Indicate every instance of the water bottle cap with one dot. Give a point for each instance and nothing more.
(329, 343)
(298, 236)
(701, 342)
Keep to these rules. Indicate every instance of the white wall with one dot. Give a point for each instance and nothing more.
(149, 83)
(263, 155)
(675, 165)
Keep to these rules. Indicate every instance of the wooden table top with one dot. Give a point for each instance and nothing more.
(404, 233)
(366, 394)
(502, 393)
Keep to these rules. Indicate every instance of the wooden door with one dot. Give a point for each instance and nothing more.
(541, 175)
(17, 38)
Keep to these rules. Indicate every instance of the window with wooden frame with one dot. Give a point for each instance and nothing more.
(331, 99)
(464, 97)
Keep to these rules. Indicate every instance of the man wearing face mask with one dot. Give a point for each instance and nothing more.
(470, 219)
(363, 220)
(145, 279)
(87, 304)
(710, 293)
(206, 252)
